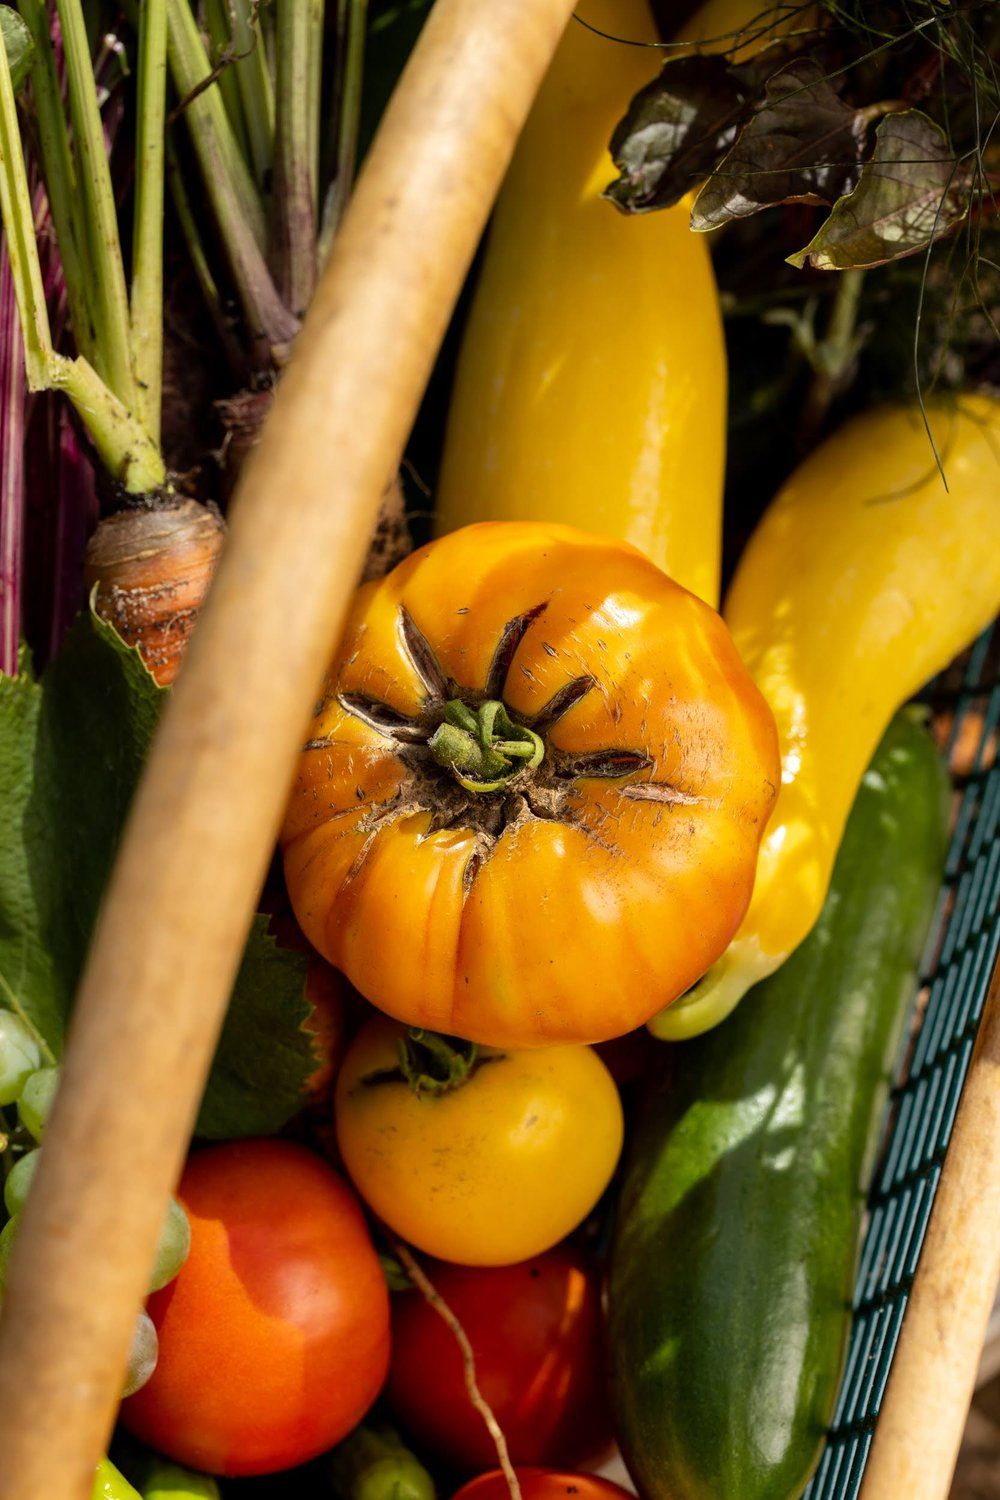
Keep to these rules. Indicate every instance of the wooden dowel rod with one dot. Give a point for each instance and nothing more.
(200, 835)
(933, 1373)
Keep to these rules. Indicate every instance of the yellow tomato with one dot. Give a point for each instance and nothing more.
(488, 1172)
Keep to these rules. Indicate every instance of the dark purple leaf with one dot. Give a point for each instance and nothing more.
(910, 193)
(802, 144)
(674, 132)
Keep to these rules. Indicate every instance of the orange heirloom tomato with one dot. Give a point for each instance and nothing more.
(531, 800)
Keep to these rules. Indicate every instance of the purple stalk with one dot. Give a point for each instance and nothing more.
(12, 405)
(58, 478)
(76, 516)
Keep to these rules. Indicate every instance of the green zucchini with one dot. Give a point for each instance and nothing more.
(737, 1236)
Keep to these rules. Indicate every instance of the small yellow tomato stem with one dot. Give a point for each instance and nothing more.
(433, 1064)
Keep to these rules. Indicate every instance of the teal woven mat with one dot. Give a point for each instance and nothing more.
(960, 960)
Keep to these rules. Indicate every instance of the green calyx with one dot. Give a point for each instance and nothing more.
(483, 748)
(433, 1064)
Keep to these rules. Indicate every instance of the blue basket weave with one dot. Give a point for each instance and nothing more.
(961, 956)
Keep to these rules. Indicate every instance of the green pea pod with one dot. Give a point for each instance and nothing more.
(165, 1481)
(109, 1484)
(374, 1464)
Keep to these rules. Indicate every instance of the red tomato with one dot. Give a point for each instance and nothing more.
(543, 1484)
(274, 1338)
(535, 1330)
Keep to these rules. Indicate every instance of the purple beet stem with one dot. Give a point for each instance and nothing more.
(12, 406)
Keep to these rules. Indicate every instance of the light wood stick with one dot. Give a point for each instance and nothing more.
(203, 826)
(933, 1373)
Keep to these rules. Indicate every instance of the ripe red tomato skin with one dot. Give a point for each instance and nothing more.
(543, 1484)
(274, 1338)
(535, 1330)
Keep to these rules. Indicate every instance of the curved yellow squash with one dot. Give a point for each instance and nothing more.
(591, 387)
(864, 579)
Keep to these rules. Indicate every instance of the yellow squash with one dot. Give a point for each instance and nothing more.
(865, 577)
(591, 387)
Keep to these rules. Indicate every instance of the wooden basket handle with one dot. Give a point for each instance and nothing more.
(200, 835)
(933, 1372)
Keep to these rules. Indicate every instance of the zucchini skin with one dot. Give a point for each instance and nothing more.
(737, 1237)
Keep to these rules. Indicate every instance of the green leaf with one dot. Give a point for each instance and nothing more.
(910, 193)
(18, 43)
(802, 144)
(71, 751)
(264, 1057)
(29, 982)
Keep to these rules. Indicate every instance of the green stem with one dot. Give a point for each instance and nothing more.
(235, 202)
(351, 27)
(112, 351)
(126, 449)
(293, 246)
(60, 178)
(147, 243)
(314, 84)
(435, 1064)
(253, 78)
(190, 66)
(484, 749)
(220, 30)
(199, 259)
(833, 357)
(19, 227)
(119, 438)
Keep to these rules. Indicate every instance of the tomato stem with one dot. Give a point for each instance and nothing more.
(435, 1064)
(483, 748)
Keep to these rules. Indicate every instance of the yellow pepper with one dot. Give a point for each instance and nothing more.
(864, 578)
(591, 387)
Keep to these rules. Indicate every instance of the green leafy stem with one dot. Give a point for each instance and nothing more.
(114, 381)
(255, 135)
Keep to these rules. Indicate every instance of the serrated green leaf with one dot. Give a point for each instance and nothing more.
(71, 751)
(18, 44)
(29, 983)
(909, 194)
(264, 1057)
